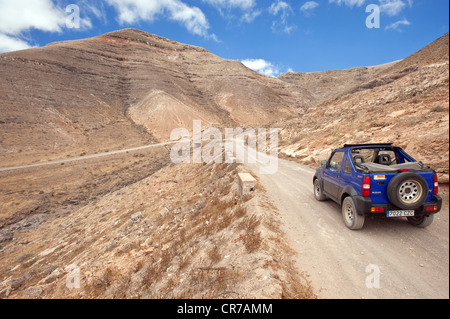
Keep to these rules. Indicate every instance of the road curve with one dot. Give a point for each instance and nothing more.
(387, 259)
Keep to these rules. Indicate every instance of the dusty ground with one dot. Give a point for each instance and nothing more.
(181, 233)
(55, 188)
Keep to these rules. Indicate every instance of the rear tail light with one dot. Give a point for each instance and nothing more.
(435, 185)
(431, 208)
(365, 191)
(377, 210)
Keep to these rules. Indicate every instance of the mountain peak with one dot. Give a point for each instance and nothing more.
(131, 34)
(138, 36)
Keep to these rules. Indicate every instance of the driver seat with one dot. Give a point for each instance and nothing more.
(385, 159)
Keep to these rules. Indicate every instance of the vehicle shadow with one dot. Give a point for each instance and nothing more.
(376, 223)
(397, 224)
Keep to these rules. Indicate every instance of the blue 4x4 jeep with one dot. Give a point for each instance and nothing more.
(378, 180)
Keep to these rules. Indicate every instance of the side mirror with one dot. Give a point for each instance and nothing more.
(324, 164)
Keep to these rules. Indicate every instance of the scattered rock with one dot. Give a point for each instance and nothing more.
(137, 217)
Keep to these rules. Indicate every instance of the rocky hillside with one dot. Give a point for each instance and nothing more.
(130, 88)
(195, 238)
(125, 88)
(407, 103)
(326, 85)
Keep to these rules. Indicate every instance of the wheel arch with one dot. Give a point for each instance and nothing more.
(347, 191)
(317, 176)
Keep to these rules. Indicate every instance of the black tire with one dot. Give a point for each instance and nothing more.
(407, 190)
(318, 193)
(422, 221)
(350, 216)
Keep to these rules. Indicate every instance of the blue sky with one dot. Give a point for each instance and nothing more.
(270, 36)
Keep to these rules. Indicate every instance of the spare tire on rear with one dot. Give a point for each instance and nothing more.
(407, 190)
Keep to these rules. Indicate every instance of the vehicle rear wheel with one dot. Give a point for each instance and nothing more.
(421, 221)
(320, 196)
(408, 190)
(350, 216)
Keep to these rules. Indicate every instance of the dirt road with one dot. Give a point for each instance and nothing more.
(83, 158)
(386, 259)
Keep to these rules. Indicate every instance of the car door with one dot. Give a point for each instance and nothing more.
(332, 174)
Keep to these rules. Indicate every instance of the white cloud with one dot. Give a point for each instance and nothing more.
(226, 8)
(241, 4)
(388, 7)
(392, 7)
(283, 10)
(19, 16)
(309, 6)
(251, 15)
(22, 15)
(262, 66)
(396, 25)
(280, 7)
(192, 18)
(96, 10)
(11, 43)
(350, 3)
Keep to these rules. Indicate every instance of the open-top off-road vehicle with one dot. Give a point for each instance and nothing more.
(378, 180)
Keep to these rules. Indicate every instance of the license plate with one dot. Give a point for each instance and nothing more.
(400, 213)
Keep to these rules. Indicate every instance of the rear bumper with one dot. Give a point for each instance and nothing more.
(364, 207)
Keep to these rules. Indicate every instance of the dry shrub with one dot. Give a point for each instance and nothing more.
(211, 283)
(224, 189)
(224, 221)
(185, 260)
(99, 286)
(151, 274)
(240, 212)
(296, 286)
(139, 265)
(216, 215)
(125, 249)
(250, 223)
(252, 238)
(157, 265)
(247, 197)
(214, 255)
(109, 276)
(252, 242)
(122, 287)
(438, 108)
(215, 205)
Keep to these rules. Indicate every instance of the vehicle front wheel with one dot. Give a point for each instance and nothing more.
(351, 218)
(422, 221)
(320, 196)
